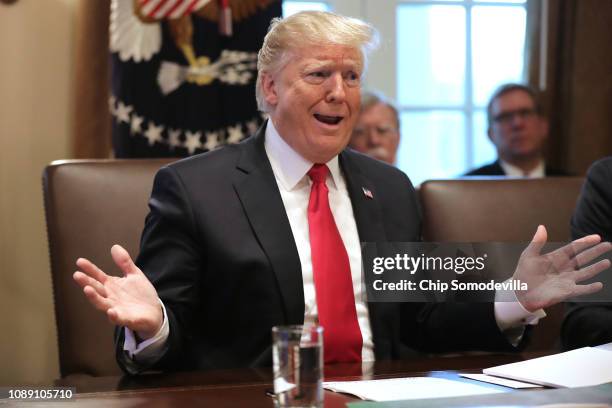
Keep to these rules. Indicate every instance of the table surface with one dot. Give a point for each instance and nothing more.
(247, 387)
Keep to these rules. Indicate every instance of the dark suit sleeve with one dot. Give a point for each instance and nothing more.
(590, 324)
(170, 258)
(593, 213)
(439, 327)
(492, 169)
(446, 327)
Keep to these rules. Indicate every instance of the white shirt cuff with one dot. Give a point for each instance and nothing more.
(149, 350)
(511, 314)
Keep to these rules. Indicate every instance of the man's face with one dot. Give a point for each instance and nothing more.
(517, 130)
(376, 133)
(315, 99)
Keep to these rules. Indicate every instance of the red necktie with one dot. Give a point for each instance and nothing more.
(342, 339)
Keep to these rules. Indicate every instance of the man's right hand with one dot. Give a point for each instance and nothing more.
(129, 301)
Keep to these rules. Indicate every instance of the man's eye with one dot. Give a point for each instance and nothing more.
(318, 74)
(352, 78)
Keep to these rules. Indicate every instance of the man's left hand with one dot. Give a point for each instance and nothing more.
(553, 277)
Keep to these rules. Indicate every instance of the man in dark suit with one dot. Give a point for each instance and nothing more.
(590, 324)
(518, 129)
(238, 240)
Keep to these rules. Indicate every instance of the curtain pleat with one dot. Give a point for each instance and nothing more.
(91, 130)
(578, 94)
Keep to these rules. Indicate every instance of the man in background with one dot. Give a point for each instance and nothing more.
(377, 130)
(518, 129)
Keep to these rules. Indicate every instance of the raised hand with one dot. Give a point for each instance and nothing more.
(552, 278)
(129, 301)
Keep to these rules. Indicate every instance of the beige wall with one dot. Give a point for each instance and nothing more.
(36, 48)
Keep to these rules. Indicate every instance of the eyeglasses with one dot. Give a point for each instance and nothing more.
(380, 130)
(506, 118)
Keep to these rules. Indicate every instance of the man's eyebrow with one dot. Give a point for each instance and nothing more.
(325, 64)
(313, 64)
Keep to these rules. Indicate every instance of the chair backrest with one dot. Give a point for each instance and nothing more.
(92, 204)
(498, 209)
(502, 210)
(89, 206)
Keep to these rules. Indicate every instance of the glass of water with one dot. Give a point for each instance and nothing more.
(297, 354)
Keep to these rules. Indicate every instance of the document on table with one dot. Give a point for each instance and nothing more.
(500, 381)
(408, 388)
(577, 368)
(607, 346)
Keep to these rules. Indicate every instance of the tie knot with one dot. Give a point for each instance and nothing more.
(318, 173)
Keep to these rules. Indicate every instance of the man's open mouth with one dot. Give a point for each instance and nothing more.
(329, 120)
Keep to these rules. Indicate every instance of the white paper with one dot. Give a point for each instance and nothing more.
(500, 381)
(577, 368)
(607, 346)
(408, 388)
(575, 405)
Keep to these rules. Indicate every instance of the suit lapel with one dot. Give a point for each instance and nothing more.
(258, 192)
(366, 209)
(497, 169)
(368, 216)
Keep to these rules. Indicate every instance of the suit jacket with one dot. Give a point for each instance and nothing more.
(218, 247)
(590, 324)
(495, 169)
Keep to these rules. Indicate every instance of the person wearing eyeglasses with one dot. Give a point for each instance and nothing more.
(377, 130)
(518, 129)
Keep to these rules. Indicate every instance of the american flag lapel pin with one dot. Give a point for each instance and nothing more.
(367, 192)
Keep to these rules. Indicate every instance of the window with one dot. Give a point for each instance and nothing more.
(451, 55)
(292, 7)
(440, 60)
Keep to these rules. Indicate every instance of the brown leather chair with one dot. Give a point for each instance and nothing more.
(502, 210)
(89, 206)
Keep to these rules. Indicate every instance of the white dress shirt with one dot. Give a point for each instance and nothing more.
(512, 171)
(290, 169)
(294, 184)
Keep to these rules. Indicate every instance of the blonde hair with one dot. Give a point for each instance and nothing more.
(309, 28)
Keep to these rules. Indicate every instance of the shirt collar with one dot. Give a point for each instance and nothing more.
(289, 166)
(514, 171)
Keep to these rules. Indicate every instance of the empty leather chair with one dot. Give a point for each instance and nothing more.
(502, 210)
(89, 206)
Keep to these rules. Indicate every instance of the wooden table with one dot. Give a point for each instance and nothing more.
(247, 387)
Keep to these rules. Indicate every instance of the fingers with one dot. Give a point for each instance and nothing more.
(84, 280)
(591, 270)
(123, 260)
(595, 252)
(99, 302)
(581, 290)
(92, 270)
(537, 242)
(576, 247)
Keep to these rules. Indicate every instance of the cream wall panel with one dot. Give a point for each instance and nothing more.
(36, 48)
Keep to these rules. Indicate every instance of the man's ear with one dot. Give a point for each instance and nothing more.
(490, 134)
(268, 86)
